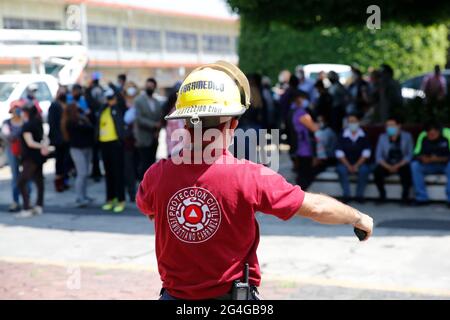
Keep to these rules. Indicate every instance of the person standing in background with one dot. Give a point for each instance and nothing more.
(303, 125)
(77, 96)
(358, 94)
(272, 112)
(79, 132)
(339, 95)
(11, 131)
(110, 132)
(95, 99)
(34, 148)
(324, 102)
(131, 157)
(435, 88)
(62, 157)
(147, 125)
(390, 93)
(305, 84)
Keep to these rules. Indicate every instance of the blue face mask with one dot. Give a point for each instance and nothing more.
(391, 131)
(353, 127)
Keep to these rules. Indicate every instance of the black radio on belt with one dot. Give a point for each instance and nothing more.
(241, 290)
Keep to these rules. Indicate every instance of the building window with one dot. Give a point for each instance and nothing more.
(181, 42)
(141, 40)
(216, 44)
(19, 23)
(102, 37)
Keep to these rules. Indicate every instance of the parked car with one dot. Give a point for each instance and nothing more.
(344, 71)
(14, 87)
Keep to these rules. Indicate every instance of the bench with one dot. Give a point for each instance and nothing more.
(328, 182)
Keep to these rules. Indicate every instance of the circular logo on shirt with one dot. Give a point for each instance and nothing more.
(193, 214)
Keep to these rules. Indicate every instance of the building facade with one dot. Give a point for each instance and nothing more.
(141, 39)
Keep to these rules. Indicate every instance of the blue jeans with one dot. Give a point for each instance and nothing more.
(363, 176)
(420, 170)
(13, 162)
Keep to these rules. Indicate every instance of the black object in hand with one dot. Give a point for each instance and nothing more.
(361, 234)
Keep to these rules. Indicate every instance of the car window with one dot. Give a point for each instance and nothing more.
(6, 88)
(413, 83)
(43, 92)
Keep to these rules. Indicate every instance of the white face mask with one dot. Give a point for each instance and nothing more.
(131, 91)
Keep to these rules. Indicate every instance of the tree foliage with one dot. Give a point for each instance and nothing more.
(409, 49)
(311, 13)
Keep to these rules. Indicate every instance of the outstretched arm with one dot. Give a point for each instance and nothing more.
(327, 210)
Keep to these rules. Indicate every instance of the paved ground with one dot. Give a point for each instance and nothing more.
(70, 253)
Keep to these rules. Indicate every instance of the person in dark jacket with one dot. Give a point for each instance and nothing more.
(353, 153)
(62, 157)
(110, 133)
(79, 132)
(34, 149)
(324, 103)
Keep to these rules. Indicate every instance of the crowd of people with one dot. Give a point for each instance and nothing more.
(111, 131)
(324, 124)
(108, 131)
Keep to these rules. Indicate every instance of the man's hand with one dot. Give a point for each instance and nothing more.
(393, 169)
(425, 159)
(364, 223)
(351, 169)
(316, 162)
(44, 151)
(326, 210)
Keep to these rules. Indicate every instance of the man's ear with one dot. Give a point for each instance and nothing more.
(234, 123)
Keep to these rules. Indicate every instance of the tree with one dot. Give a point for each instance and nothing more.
(313, 13)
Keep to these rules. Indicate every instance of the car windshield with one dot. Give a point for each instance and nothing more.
(5, 89)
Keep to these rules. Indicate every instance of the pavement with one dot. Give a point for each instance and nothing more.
(72, 253)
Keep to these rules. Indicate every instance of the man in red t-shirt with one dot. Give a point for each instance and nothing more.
(204, 211)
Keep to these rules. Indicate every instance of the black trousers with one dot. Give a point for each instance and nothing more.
(147, 157)
(96, 172)
(31, 171)
(405, 178)
(63, 161)
(113, 161)
(130, 172)
(305, 174)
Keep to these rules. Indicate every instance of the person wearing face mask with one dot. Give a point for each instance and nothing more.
(326, 140)
(10, 132)
(393, 155)
(130, 92)
(110, 133)
(77, 96)
(149, 114)
(304, 126)
(353, 153)
(34, 148)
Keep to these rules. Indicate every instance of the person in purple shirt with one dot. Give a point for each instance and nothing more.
(303, 126)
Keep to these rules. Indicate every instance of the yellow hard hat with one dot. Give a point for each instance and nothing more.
(218, 90)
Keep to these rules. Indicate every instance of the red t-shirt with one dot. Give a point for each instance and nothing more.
(205, 225)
